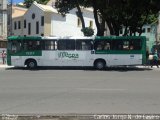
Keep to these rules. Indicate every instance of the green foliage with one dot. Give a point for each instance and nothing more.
(87, 31)
(28, 3)
(131, 14)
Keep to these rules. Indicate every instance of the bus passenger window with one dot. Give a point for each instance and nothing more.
(99, 47)
(131, 47)
(25, 46)
(30, 47)
(14, 48)
(49, 45)
(66, 44)
(38, 46)
(107, 46)
(126, 45)
(84, 45)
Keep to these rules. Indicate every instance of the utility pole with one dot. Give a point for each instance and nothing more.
(11, 16)
(10, 31)
(158, 30)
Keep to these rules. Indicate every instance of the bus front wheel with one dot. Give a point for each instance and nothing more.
(99, 64)
(31, 64)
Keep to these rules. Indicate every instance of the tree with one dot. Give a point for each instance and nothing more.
(88, 31)
(64, 6)
(28, 3)
(131, 14)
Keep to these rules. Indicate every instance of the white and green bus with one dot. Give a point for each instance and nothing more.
(98, 52)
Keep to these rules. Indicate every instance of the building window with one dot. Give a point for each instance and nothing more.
(3, 44)
(148, 30)
(37, 27)
(15, 25)
(91, 24)
(143, 30)
(42, 20)
(29, 28)
(24, 23)
(19, 24)
(33, 15)
(79, 23)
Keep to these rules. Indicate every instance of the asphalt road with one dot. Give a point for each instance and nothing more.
(56, 91)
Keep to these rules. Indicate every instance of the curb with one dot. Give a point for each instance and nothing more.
(4, 66)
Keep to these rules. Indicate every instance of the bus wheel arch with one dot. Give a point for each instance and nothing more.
(100, 64)
(31, 63)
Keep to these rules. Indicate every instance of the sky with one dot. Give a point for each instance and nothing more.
(17, 1)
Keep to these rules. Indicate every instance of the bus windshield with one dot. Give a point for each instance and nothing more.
(14, 46)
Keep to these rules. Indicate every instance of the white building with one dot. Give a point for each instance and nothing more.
(44, 20)
(3, 19)
(3, 25)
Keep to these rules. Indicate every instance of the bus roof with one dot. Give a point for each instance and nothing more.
(66, 37)
(119, 37)
(24, 38)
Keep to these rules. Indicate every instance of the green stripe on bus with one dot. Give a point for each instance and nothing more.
(118, 52)
(24, 38)
(28, 53)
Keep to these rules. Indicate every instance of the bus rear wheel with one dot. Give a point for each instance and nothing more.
(100, 64)
(31, 64)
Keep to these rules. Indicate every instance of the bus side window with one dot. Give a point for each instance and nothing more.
(137, 45)
(13, 47)
(78, 45)
(70, 44)
(107, 46)
(66, 44)
(25, 46)
(117, 45)
(38, 46)
(87, 45)
(30, 47)
(49, 45)
(125, 45)
(84, 44)
(98, 45)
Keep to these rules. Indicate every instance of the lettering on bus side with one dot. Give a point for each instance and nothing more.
(30, 53)
(68, 55)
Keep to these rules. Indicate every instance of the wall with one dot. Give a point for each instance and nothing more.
(150, 35)
(67, 26)
(3, 18)
(17, 31)
(28, 17)
(17, 15)
(47, 23)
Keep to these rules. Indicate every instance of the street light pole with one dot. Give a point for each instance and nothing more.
(11, 18)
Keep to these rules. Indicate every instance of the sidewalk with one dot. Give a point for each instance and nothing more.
(4, 65)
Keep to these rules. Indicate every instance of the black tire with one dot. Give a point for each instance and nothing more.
(100, 65)
(31, 64)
